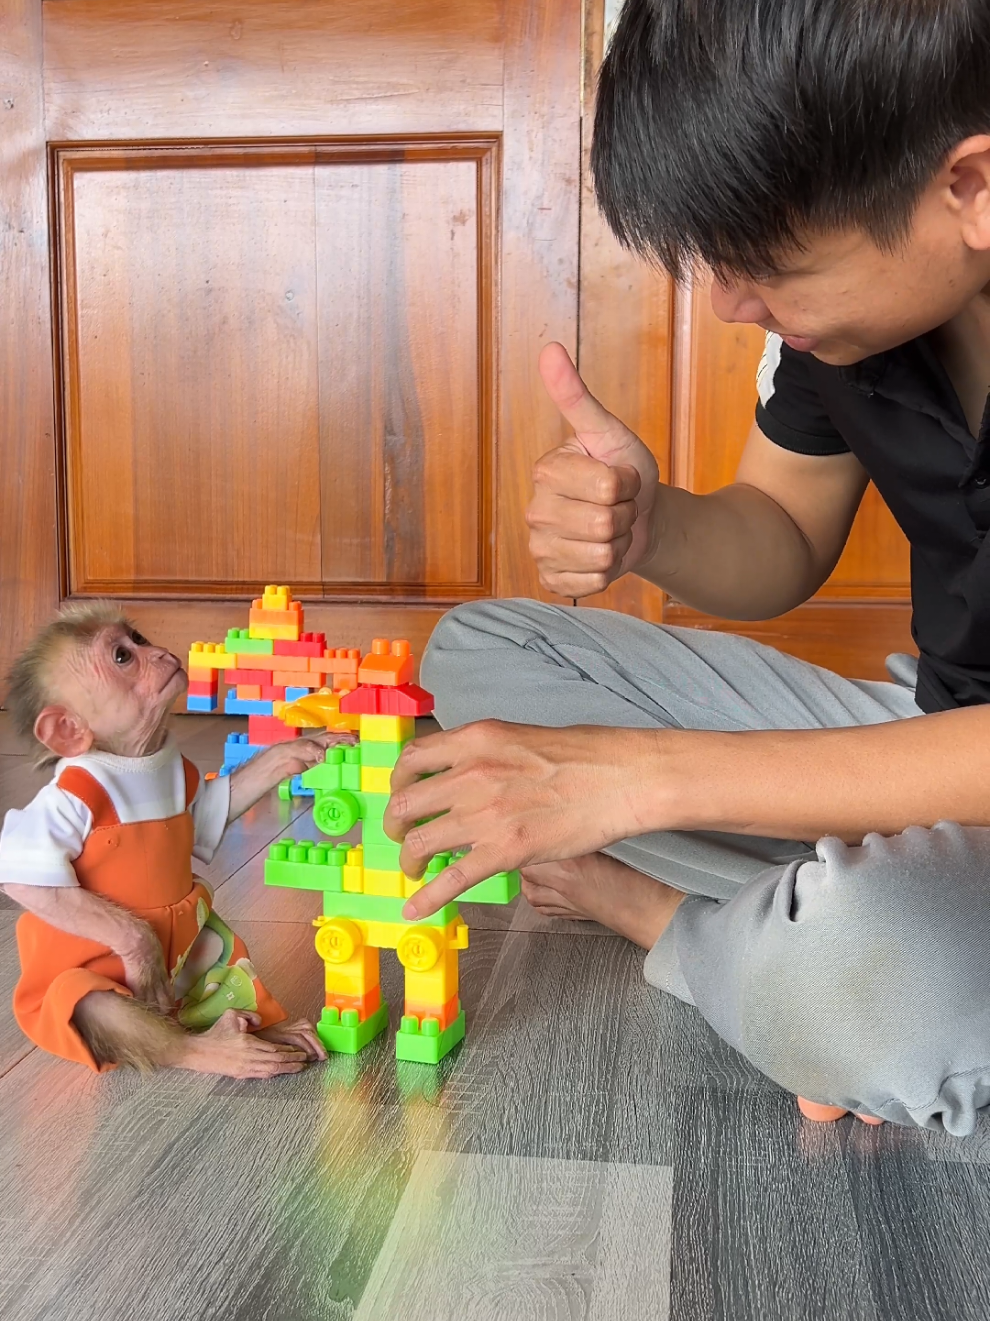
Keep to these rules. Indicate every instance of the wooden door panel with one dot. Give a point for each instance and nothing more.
(190, 370)
(115, 69)
(405, 260)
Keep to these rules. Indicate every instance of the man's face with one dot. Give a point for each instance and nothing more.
(842, 298)
(122, 686)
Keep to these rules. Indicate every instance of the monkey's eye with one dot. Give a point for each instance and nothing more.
(138, 638)
(122, 654)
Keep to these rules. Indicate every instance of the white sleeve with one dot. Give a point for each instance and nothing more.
(210, 809)
(39, 843)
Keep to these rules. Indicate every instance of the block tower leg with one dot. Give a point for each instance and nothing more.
(433, 1021)
(354, 1012)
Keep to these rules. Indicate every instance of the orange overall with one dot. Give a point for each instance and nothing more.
(145, 867)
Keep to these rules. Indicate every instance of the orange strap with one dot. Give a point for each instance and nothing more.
(88, 790)
(192, 781)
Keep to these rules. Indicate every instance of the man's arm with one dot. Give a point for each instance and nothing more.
(78, 912)
(519, 794)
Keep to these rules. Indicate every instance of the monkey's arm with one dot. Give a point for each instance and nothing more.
(264, 771)
(78, 912)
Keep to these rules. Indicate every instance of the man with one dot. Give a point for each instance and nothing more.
(830, 163)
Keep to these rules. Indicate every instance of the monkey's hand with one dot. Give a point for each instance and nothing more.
(145, 974)
(264, 771)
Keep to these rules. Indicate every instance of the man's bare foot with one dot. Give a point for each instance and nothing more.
(231, 1049)
(598, 888)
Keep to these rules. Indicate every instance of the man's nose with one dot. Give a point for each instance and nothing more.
(736, 300)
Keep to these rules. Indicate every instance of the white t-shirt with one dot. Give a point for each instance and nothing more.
(38, 843)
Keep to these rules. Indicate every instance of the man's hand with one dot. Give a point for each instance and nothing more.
(145, 974)
(267, 769)
(593, 513)
(514, 795)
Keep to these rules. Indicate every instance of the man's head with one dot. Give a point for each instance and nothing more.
(90, 680)
(829, 160)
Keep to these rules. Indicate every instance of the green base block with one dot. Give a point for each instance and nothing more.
(239, 641)
(500, 889)
(427, 1047)
(342, 1033)
(380, 908)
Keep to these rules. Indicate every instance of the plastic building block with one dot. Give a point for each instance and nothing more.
(275, 615)
(266, 729)
(305, 865)
(276, 598)
(423, 1042)
(248, 692)
(209, 656)
(238, 750)
(387, 665)
(240, 642)
(301, 680)
(385, 729)
(202, 688)
(407, 700)
(197, 703)
(293, 694)
(212, 677)
(239, 676)
(500, 889)
(309, 644)
(389, 883)
(380, 754)
(376, 779)
(345, 1034)
(280, 664)
(275, 631)
(272, 693)
(236, 706)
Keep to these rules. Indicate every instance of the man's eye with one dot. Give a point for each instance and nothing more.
(138, 638)
(122, 654)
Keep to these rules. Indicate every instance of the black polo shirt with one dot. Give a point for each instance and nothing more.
(898, 412)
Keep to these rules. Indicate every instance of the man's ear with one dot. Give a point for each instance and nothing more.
(63, 732)
(968, 169)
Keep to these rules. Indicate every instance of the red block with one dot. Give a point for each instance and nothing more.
(254, 677)
(364, 701)
(406, 700)
(265, 730)
(309, 644)
(202, 688)
(269, 693)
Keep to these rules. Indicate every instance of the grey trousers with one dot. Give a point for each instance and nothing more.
(855, 976)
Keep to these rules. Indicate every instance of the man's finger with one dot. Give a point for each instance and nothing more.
(577, 404)
(577, 476)
(580, 520)
(475, 866)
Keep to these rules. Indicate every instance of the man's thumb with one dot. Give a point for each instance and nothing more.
(577, 404)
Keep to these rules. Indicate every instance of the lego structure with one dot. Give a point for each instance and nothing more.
(362, 884)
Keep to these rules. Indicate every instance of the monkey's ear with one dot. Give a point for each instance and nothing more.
(63, 732)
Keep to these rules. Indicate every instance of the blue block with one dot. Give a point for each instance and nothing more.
(239, 706)
(236, 754)
(299, 790)
(194, 703)
(294, 694)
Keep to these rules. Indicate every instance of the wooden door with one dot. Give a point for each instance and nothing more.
(658, 357)
(275, 274)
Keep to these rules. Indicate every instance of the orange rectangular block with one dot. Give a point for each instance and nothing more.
(248, 692)
(385, 665)
(293, 615)
(295, 678)
(203, 676)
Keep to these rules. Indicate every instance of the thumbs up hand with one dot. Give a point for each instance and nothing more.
(592, 513)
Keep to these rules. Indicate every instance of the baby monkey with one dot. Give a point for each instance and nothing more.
(123, 959)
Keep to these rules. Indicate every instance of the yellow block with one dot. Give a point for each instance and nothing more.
(388, 729)
(278, 632)
(276, 598)
(210, 656)
(353, 881)
(376, 779)
(389, 883)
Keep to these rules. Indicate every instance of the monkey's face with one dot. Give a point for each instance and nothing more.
(123, 687)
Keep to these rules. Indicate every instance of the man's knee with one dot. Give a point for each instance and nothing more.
(861, 978)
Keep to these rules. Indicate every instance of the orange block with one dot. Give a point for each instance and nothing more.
(444, 1013)
(248, 692)
(366, 1004)
(343, 661)
(385, 665)
(295, 678)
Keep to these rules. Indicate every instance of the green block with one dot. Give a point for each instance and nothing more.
(351, 773)
(329, 774)
(380, 754)
(427, 1045)
(239, 641)
(373, 806)
(380, 908)
(372, 832)
(500, 889)
(382, 857)
(344, 1034)
(303, 865)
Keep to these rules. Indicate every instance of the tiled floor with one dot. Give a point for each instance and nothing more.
(591, 1151)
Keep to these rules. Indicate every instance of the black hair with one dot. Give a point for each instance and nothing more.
(727, 129)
